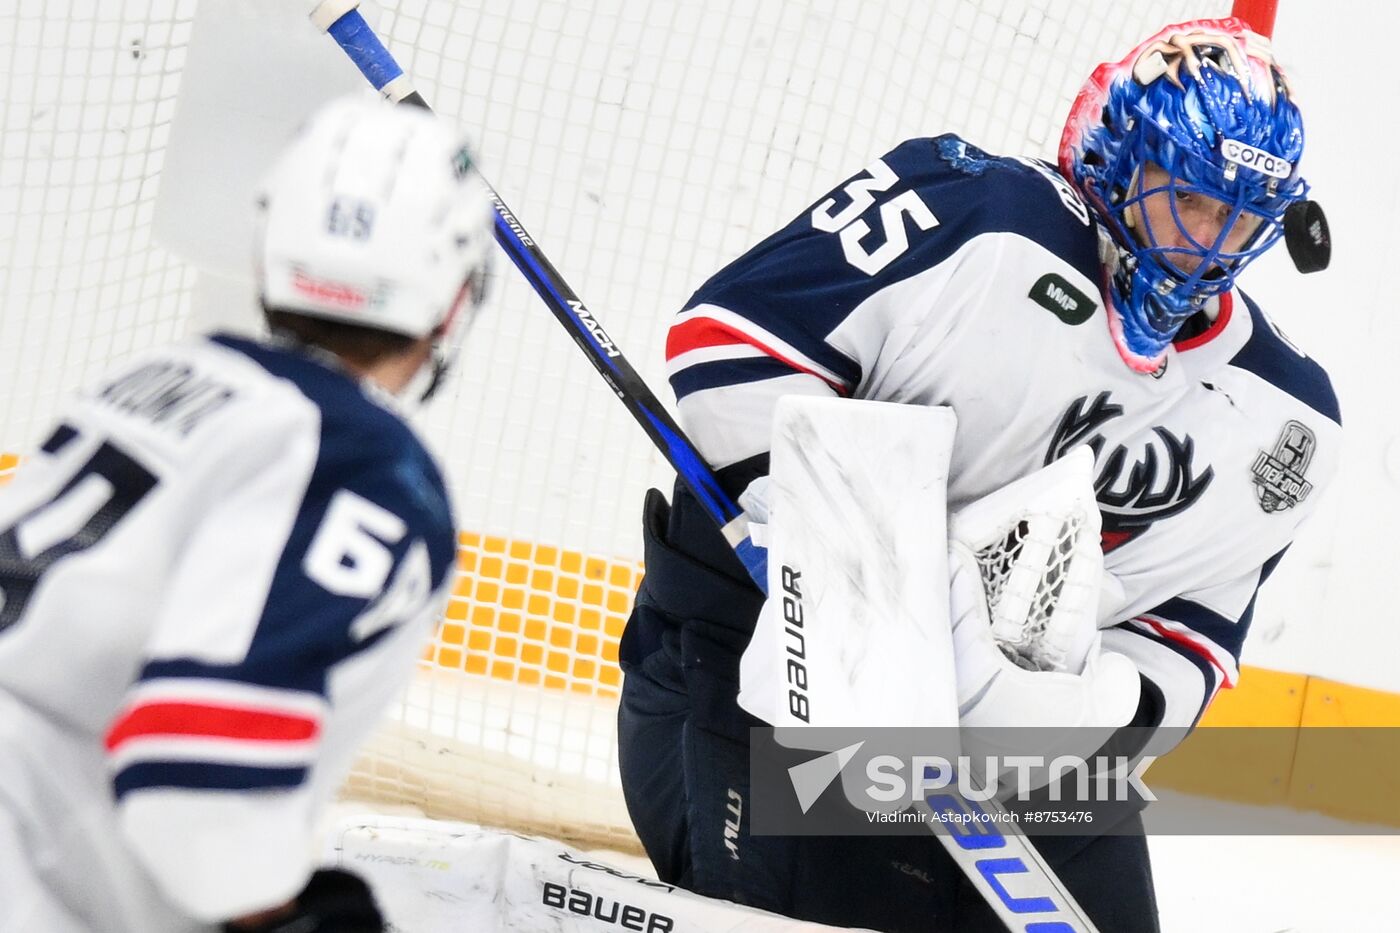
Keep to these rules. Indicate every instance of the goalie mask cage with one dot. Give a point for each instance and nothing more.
(645, 145)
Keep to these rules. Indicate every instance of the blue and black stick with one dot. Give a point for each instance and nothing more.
(342, 20)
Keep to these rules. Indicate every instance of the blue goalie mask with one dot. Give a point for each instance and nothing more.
(1198, 118)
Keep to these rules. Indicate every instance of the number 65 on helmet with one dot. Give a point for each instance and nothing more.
(375, 216)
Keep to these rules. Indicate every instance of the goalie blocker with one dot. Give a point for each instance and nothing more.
(684, 737)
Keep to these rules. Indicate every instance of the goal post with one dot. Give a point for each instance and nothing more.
(645, 145)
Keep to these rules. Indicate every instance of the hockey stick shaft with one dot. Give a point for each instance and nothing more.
(344, 23)
(983, 855)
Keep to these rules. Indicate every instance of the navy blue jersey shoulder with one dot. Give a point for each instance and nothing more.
(370, 451)
(360, 437)
(365, 444)
(803, 273)
(1270, 357)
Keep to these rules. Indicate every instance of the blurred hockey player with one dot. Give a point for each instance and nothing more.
(225, 559)
(1093, 306)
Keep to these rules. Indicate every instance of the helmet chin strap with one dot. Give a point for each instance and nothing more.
(424, 384)
(447, 344)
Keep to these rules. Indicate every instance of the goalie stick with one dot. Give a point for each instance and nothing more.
(986, 849)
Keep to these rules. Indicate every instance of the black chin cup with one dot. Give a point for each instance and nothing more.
(1308, 238)
(440, 366)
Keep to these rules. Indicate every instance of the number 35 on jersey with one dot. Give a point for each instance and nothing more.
(846, 223)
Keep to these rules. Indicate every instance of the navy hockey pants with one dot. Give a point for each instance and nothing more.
(683, 745)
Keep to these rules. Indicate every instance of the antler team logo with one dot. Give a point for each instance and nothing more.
(1278, 476)
(1132, 492)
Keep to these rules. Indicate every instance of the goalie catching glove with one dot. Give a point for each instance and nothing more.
(994, 691)
(1024, 573)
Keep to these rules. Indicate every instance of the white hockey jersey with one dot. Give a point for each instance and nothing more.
(216, 573)
(941, 275)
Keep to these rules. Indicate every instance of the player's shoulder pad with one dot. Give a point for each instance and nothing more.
(364, 446)
(1274, 358)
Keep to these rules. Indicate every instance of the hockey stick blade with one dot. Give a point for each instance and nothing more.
(1048, 907)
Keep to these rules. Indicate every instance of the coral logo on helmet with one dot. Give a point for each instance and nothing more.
(1257, 159)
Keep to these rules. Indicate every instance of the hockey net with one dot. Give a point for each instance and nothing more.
(644, 145)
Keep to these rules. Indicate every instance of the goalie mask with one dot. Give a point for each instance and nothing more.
(1198, 111)
(374, 215)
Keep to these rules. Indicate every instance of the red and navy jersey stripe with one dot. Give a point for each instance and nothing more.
(205, 733)
(256, 722)
(1208, 640)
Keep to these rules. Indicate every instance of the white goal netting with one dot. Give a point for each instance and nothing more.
(643, 144)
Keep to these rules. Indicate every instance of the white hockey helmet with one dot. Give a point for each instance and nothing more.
(374, 215)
